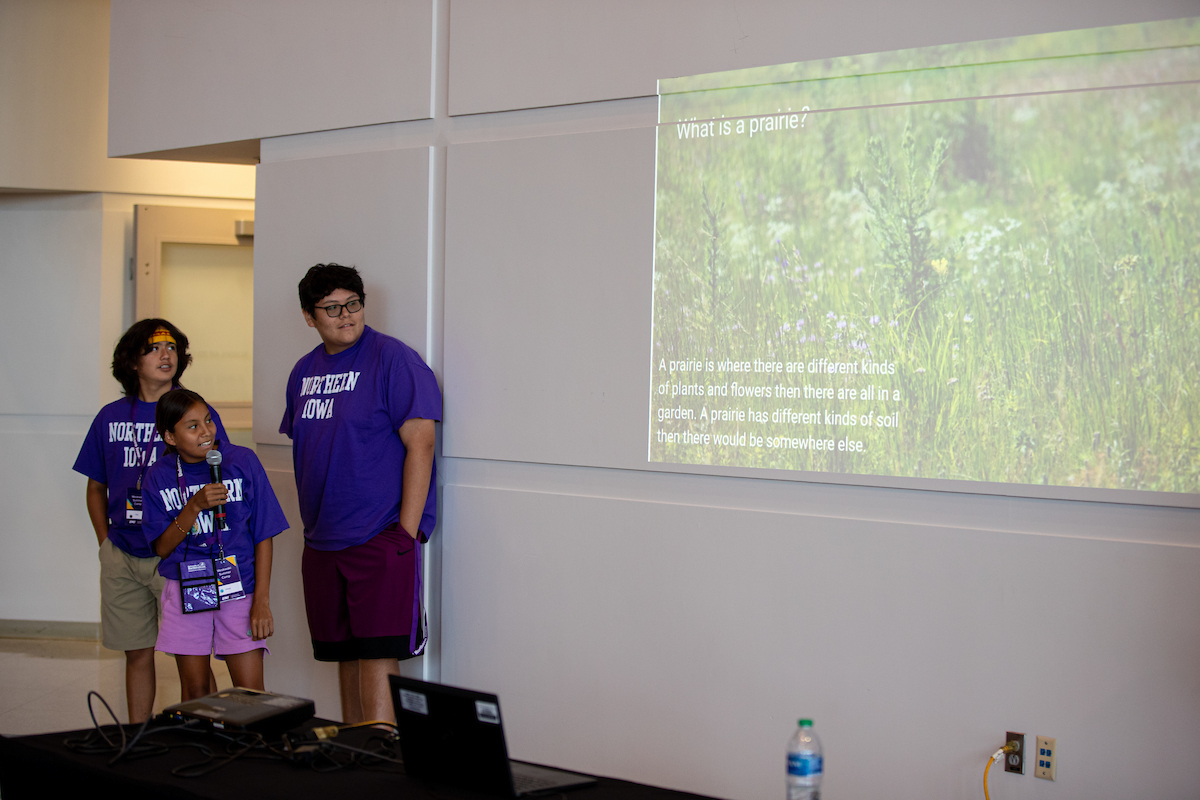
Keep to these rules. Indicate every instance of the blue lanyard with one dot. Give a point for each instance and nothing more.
(144, 455)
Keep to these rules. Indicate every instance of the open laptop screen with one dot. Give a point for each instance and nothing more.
(455, 736)
(452, 735)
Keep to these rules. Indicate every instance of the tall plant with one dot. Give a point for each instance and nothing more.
(713, 256)
(900, 207)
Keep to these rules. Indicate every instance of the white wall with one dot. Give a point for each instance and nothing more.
(52, 272)
(54, 110)
(65, 268)
(546, 351)
(670, 627)
(671, 632)
(66, 228)
(554, 53)
(214, 72)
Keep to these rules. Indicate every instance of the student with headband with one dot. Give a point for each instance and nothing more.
(121, 445)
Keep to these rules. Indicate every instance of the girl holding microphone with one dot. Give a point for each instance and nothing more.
(216, 599)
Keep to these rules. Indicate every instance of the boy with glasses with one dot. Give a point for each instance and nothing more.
(360, 412)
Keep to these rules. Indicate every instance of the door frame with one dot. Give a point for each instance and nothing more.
(154, 226)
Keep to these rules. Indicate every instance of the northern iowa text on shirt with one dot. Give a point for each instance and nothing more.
(329, 384)
(325, 384)
(136, 433)
(172, 500)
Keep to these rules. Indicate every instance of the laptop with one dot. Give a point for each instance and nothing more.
(455, 736)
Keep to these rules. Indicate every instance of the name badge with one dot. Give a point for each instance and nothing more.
(198, 586)
(133, 508)
(229, 579)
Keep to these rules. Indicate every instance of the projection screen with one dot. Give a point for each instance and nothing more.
(976, 262)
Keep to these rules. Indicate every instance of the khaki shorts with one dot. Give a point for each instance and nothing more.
(129, 591)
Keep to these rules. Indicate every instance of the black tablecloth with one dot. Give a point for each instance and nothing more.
(41, 766)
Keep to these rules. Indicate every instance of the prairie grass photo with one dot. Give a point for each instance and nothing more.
(1011, 241)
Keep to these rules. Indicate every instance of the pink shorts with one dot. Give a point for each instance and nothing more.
(224, 632)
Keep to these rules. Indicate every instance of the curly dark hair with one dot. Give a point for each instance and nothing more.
(322, 280)
(171, 408)
(136, 343)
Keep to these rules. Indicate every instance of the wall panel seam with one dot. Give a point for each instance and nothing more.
(826, 516)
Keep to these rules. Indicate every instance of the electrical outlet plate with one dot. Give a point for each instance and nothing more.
(1046, 758)
(1015, 762)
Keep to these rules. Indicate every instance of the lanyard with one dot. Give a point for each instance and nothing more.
(182, 499)
(143, 454)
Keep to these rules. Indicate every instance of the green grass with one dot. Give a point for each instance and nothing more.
(1031, 265)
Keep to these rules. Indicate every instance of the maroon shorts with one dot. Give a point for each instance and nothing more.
(359, 600)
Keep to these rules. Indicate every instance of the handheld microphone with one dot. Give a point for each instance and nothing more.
(214, 471)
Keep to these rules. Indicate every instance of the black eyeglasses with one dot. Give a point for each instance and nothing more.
(335, 310)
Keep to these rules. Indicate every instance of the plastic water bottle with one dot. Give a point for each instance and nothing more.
(805, 766)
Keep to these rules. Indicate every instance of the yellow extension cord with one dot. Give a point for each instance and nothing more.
(1008, 748)
(330, 731)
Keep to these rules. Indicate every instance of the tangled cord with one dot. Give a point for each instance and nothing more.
(88, 743)
(97, 741)
(378, 752)
(250, 745)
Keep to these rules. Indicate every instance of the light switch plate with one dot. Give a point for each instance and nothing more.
(1045, 758)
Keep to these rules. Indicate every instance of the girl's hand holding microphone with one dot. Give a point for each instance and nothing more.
(209, 496)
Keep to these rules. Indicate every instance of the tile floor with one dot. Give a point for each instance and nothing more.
(44, 683)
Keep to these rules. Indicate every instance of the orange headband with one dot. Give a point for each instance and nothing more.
(162, 335)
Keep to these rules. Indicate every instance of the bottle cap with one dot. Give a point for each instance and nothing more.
(805, 723)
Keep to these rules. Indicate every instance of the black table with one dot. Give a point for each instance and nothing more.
(41, 766)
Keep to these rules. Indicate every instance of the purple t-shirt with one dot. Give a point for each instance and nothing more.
(121, 443)
(343, 413)
(252, 512)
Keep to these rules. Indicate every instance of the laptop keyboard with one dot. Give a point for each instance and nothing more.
(524, 784)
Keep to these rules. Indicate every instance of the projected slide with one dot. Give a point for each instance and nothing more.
(977, 262)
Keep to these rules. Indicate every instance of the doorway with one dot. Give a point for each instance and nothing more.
(195, 267)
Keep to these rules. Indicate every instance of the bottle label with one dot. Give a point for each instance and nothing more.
(804, 765)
